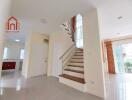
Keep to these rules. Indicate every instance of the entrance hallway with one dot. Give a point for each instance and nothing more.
(48, 88)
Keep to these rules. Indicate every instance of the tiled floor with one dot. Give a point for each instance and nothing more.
(14, 87)
(119, 87)
(39, 88)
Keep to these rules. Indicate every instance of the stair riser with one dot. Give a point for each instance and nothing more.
(79, 75)
(76, 60)
(75, 68)
(77, 56)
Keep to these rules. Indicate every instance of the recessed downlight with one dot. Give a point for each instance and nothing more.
(17, 40)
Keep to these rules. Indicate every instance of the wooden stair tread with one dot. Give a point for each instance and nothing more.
(78, 55)
(82, 72)
(75, 65)
(76, 61)
(80, 80)
(79, 50)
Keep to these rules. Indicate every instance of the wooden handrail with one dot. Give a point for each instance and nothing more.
(67, 51)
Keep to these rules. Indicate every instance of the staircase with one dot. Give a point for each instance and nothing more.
(73, 71)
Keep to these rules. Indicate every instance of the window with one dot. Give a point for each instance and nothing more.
(5, 55)
(22, 51)
(79, 32)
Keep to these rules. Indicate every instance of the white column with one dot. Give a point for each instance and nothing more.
(93, 66)
(27, 56)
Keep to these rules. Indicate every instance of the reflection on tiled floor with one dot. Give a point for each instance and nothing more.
(119, 87)
(11, 79)
(39, 88)
(15, 87)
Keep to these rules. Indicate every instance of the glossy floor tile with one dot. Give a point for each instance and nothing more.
(15, 87)
(39, 88)
(119, 87)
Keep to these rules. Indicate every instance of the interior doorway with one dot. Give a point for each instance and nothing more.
(39, 58)
(36, 56)
(123, 58)
(13, 56)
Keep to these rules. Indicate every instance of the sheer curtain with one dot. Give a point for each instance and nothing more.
(79, 31)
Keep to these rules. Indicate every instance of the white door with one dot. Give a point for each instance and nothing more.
(39, 57)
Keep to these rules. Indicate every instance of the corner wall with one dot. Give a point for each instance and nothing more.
(93, 62)
(58, 44)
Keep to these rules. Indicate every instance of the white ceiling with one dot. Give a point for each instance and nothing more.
(111, 26)
(52, 12)
(55, 12)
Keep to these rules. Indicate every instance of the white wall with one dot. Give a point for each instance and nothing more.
(13, 49)
(4, 12)
(59, 43)
(93, 67)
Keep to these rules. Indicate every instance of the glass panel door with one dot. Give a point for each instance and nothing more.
(118, 57)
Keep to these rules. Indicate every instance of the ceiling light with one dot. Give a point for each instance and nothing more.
(17, 40)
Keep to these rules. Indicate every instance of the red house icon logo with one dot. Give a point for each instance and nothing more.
(13, 24)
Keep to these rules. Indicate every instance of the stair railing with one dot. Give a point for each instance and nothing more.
(67, 55)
